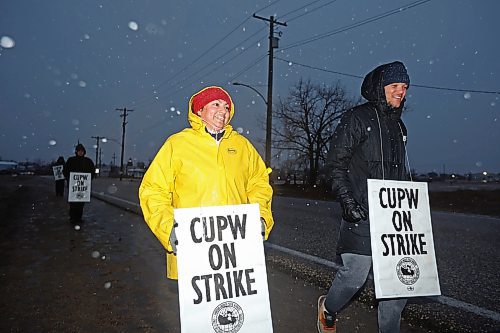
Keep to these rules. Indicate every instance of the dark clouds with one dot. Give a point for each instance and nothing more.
(73, 64)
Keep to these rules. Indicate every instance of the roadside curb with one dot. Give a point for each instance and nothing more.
(368, 297)
(117, 202)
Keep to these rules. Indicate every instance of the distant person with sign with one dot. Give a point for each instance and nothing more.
(83, 170)
(368, 143)
(208, 164)
(58, 169)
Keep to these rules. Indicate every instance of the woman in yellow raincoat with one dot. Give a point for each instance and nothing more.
(208, 164)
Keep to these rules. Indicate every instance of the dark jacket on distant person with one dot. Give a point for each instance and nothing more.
(368, 143)
(60, 161)
(60, 182)
(78, 164)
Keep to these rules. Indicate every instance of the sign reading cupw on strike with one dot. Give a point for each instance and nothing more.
(58, 172)
(79, 188)
(222, 272)
(404, 261)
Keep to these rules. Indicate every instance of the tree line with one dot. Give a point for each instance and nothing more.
(304, 123)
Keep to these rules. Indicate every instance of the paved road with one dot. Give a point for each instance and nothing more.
(107, 274)
(467, 250)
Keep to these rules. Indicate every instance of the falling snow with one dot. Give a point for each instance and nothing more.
(7, 42)
(133, 26)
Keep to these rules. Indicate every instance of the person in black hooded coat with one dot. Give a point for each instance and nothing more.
(78, 163)
(368, 143)
(60, 182)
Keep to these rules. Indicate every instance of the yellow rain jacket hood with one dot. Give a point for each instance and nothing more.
(192, 169)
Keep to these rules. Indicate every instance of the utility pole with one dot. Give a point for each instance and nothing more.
(273, 44)
(124, 116)
(98, 165)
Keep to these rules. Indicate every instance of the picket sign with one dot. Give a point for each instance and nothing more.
(79, 188)
(58, 172)
(222, 270)
(404, 261)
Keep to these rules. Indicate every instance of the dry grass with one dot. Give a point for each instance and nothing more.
(481, 202)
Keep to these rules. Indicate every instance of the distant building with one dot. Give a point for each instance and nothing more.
(135, 172)
(8, 167)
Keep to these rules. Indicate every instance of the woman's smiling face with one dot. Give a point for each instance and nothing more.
(215, 114)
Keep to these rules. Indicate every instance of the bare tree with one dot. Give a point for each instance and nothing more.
(305, 122)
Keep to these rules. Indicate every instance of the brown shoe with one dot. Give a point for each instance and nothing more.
(326, 321)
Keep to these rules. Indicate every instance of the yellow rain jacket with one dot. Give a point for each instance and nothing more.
(192, 170)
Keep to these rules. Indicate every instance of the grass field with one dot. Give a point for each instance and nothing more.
(482, 202)
(477, 201)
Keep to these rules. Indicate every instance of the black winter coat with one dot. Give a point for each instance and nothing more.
(368, 143)
(78, 164)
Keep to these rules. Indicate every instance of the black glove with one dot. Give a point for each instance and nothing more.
(351, 211)
(173, 239)
(263, 227)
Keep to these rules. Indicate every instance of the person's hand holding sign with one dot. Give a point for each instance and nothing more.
(263, 228)
(351, 211)
(173, 239)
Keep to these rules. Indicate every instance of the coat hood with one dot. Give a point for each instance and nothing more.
(196, 122)
(373, 86)
(80, 147)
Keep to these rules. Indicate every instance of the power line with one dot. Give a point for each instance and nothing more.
(339, 30)
(319, 69)
(457, 89)
(248, 67)
(300, 8)
(202, 54)
(413, 85)
(212, 47)
(355, 25)
(212, 62)
(159, 86)
(227, 61)
(225, 53)
(159, 123)
(271, 4)
(293, 11)
(200, 76)
(223, 63)
(309, 11)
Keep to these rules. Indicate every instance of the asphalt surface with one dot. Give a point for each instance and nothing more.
(466, 247)
(109, 276)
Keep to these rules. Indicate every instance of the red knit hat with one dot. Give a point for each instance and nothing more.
(207, 95)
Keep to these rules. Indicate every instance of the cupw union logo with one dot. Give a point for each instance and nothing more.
(227, 318)
(408, 271)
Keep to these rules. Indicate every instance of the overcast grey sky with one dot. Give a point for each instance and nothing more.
(67, 65)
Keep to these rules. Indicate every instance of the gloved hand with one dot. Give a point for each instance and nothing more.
(173, 239)
(263, 228)
(351, 211)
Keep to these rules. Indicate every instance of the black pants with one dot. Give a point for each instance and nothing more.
(76, 210)
(60, 187)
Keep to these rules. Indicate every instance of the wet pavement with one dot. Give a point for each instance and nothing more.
(108, 275)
